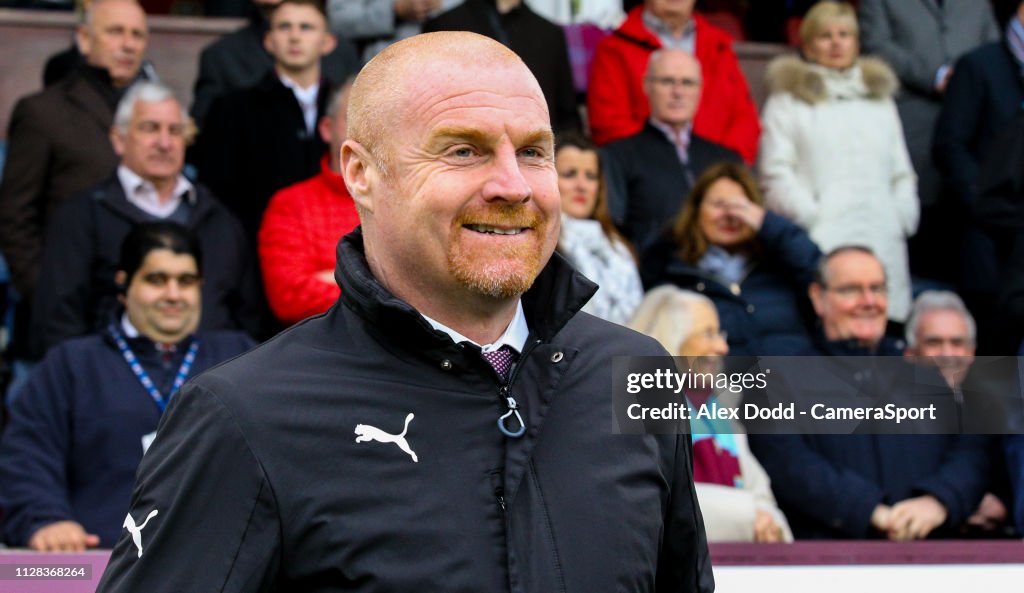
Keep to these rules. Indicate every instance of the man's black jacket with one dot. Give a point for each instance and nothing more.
(262, 483)
(77, 294)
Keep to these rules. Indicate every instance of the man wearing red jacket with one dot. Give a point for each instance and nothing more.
(301, 228)
(616, 101)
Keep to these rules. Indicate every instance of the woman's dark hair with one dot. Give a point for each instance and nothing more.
(686, 228)
(600, 213)
(150, 236)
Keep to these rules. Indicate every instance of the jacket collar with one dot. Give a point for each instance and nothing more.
(91, 90)
(557, 294)
(886, 347)
(110, 193)
(635, 31)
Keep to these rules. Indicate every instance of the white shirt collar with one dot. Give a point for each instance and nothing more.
(514, 337)
(129, 330)
(306, 98)
(143, 194)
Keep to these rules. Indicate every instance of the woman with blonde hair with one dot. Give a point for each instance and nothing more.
(733, 489)
(833, 157)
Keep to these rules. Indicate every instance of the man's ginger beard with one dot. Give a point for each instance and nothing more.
(507, 271)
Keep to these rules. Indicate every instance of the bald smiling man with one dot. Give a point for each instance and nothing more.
(447, 425)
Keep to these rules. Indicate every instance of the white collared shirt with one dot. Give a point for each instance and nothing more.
(688, 41)
(143, 194)
(514, 337)
(306, 98)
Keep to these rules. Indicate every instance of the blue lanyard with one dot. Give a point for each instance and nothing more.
(143, 377)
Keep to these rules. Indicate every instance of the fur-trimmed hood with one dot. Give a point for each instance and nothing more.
(868, 78)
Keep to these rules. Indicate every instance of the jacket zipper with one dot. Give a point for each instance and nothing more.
(504, 393)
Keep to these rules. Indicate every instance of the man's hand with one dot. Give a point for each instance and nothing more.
(880, 517)
(991, 513)
(765, 529)
(915, 518)
(415, 10)
(63, 536)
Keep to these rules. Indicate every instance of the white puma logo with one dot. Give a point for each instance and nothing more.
(136, 532)
(365, 433)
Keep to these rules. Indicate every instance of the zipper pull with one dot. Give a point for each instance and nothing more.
(513, 408)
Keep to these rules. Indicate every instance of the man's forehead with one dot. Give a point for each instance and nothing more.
(489, 134)
(856, 266)
(677, 63)
(167, 261)
(942, 321)
(118, 12)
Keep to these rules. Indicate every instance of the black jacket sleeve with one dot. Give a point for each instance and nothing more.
(212, 517)
(956, 129)
(685, 564)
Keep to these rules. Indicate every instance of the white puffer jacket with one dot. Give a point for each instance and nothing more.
(834, 160)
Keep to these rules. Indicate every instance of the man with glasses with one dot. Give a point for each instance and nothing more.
(650, 173)
(852, 486)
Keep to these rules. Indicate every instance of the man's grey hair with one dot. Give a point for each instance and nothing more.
(667, 314)
(146, 92)
(938, 300)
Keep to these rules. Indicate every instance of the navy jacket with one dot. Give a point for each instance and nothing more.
(75, 436)
(647, 185)
(984, 94)
(828, 485)
(77, 295)
(287, 466)
(1015, 464)
(767, 312)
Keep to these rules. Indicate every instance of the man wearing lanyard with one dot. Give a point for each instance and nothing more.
(91, 408)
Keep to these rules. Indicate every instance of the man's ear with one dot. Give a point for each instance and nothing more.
(324, 127)
(361, 174)
(82, 40)
(267, 45)
(330, 42)
(117, 141)
(816, 292)
(121, 282)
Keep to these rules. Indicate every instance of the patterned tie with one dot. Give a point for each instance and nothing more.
(501, 360)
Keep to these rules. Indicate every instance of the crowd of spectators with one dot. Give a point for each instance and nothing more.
(886, 161)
